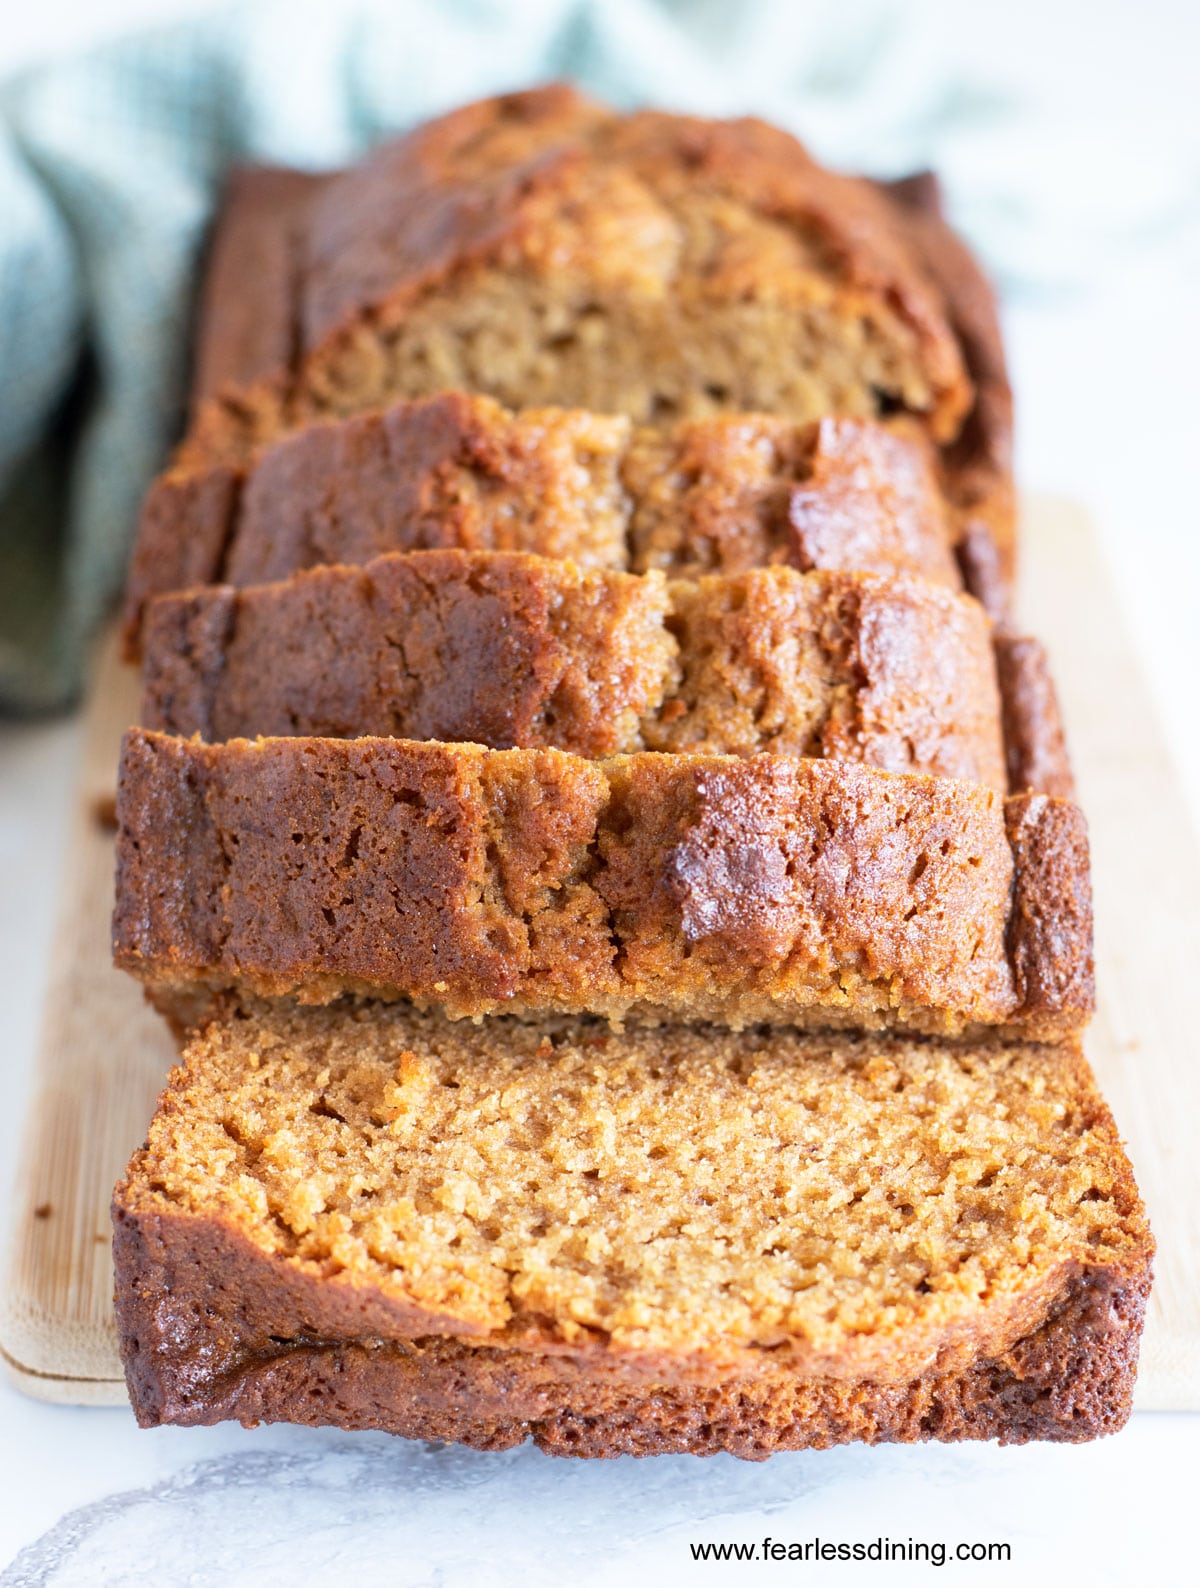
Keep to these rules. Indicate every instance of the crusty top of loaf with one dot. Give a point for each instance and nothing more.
(518, 651)
(722, 494)
(765, 888)
(849, 1206)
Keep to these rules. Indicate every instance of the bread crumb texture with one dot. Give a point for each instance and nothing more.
(683, 1190)
(540, 249)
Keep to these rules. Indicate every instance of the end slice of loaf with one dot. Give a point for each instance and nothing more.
(542, 249)
(688, 886)
(669, 1240)
(515, 651)
(712, 496)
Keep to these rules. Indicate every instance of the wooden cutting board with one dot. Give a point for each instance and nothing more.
(103, 1056)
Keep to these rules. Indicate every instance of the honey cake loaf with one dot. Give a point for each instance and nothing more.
(668, 1239)
(764, 888)
(511, 650)
(708, 496)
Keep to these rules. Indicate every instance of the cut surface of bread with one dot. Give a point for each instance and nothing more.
(541, 249)
(710, 496)
(766, 888)
(515, 651)
(682, 1238)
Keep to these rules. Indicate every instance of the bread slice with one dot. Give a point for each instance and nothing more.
(709, 496)
(687, 886)
(542, 249)
(679, 1239)
(510, 650)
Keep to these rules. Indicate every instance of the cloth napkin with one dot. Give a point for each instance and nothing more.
(110, 165)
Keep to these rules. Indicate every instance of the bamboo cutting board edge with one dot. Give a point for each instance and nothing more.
(59, 1390)
(57, 1338)
(101, 1061)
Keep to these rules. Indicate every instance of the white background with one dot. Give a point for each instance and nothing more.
(1104, 337)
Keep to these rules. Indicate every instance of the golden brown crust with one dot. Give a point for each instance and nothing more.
(709, 496)
(515, 651)
(900, 673)
(1034, 741)
(247, 322)
(1050, 925)
(724, 495)
(978, 464)
(230, 1303)
(760, 889)
(1071, 1380)
(186, 525)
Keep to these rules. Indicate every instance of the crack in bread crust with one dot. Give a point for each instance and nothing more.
(514, 651)
(649, 886)
(458, 471)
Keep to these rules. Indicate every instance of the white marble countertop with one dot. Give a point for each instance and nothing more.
(1103, 332)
